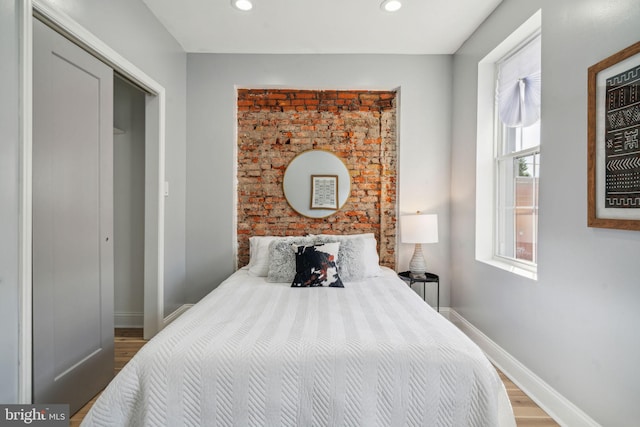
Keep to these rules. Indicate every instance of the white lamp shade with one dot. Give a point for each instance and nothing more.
(418, 228)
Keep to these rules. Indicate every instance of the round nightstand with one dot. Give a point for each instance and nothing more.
(429, 278)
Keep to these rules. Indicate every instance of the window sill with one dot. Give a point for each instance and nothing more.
(529, 274)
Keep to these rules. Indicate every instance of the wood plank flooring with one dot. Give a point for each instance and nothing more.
(527, 413)
(129, 341)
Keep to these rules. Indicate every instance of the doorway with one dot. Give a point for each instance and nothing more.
(88, 217)
(154, 101)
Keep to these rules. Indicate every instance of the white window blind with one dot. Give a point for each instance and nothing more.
(519, 86)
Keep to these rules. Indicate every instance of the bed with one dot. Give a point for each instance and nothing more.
(258, 352)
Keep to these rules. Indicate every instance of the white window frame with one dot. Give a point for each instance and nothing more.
(488, 132)
(501, 155)
(497, 241)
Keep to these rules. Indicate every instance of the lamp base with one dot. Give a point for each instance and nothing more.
(417, 265)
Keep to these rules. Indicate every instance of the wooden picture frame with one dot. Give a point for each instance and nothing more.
(324, 192)
(613, 137)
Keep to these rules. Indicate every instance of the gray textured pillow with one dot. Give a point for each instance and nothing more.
(351, 263)
(282, 258)
(369, 261)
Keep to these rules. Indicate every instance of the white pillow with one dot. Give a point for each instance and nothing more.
(371, 258)
(259, 254)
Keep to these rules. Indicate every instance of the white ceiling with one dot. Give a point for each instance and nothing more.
(322, 26)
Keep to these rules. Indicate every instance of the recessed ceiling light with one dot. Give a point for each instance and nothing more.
(243, 5)
(390, 5)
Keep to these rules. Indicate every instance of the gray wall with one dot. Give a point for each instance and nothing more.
(132, 30)
(424, 147)
(576, 327)
(9, 201)
(128, 204)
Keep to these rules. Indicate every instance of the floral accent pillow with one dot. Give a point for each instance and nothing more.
(316, 265)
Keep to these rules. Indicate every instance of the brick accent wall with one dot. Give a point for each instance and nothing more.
(357, 126)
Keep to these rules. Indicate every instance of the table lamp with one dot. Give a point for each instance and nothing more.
(418, 228)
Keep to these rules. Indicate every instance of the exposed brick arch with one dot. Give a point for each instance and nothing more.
(357, 126)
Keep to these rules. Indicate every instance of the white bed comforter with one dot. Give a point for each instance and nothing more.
(253, 353)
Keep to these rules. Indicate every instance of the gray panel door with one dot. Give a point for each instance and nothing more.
(72, 221)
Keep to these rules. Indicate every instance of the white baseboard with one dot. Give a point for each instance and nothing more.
(125, 319)
(553, 403)
(173, 316)
(444, 312)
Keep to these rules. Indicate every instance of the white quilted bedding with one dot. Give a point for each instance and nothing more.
(253, 353)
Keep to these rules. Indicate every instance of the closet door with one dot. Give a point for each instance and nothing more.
(72, 221)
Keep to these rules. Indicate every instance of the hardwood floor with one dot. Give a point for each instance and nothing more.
(528, 414)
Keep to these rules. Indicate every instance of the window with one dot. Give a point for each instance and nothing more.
(517, 159)
(508, 151)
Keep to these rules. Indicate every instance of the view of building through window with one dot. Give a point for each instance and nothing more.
(526, 207)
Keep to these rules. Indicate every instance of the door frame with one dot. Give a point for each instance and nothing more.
(155, 106)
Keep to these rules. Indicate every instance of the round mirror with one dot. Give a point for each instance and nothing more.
(316, 183)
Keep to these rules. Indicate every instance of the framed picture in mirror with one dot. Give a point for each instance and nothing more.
(324, 192)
